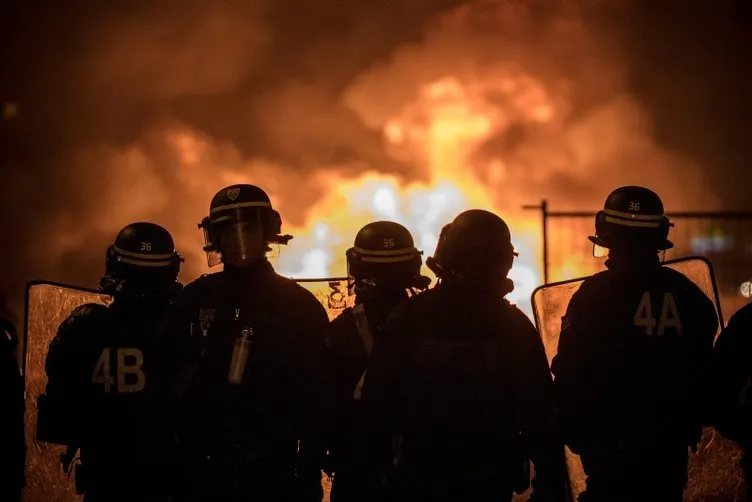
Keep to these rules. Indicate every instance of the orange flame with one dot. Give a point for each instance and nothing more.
(441, 129)
(438, 132)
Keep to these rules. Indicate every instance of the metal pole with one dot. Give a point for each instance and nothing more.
(544, 224)
(543, 208)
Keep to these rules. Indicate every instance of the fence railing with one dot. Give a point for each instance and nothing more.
(724, 237)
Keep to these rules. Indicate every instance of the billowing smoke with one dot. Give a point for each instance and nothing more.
(97, 94)
(117, 112)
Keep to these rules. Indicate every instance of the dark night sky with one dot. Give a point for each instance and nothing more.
(103, 73)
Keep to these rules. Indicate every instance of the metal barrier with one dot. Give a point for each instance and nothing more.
(724, 237)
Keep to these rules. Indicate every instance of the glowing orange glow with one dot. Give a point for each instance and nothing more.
(444, 125)
(439, 130)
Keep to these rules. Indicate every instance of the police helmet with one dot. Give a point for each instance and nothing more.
(142, 260)
(632, 218)
(235, 205)
(476, 245)
(384, 256)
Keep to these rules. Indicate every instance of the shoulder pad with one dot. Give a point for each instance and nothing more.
(345, 312)
(199, 283)
(744, 313)
(594, 282)
(84, 311)
(87, 308)
(342, 317)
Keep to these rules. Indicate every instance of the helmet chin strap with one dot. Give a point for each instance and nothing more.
(366, 289)
(116, 287)
(109, 285)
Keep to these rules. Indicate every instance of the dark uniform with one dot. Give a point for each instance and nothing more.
(635, 344)
(461, 380)
(100, 396)
(12, 440)
(247, 349)
(385, 267)
(733, 385)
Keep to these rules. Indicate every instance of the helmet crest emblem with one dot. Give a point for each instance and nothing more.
(232, 193)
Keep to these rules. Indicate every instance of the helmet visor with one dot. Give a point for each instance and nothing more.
(241, 239)
(599, 251)
(210, 246)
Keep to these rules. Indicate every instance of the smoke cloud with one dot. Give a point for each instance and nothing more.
(123, 111)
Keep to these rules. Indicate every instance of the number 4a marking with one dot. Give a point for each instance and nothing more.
(669, 315)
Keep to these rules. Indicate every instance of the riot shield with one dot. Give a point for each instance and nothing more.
(713, 470)
(47, 305)
(332, 292)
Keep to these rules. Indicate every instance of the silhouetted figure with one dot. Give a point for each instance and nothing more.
(733, 385)
(101, 396)
(12, 439)
(635, 344)
(459, 376)
(384, 266)
(252, 372)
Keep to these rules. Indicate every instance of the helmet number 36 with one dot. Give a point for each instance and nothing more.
(389, 243)
(634, 206)
(129, 361)
(145, 246)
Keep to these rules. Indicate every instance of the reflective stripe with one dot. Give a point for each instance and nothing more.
(387, 260)
(145, 256)
(632, 216)
(630, 223)
(386, 256)
(143, 263)
(390, 252)
(221, 219)
(239, 205)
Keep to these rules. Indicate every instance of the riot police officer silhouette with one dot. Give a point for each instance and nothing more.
(732, 379)
(460, 378)
(12, 439)
(248, 368)
(634, 347)
(100, 396)
(384, 265)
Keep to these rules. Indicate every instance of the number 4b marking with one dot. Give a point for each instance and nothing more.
(669, 315)
(103, 376)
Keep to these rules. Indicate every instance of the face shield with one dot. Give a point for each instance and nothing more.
(210, 244)
(236, 239)
(361, 284)
(602, 252)
(241, 237)
(599, 251)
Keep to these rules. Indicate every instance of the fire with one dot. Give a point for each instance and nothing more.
(438, 133)
(441, 130)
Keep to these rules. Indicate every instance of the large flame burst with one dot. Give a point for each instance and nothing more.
(438, 131)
